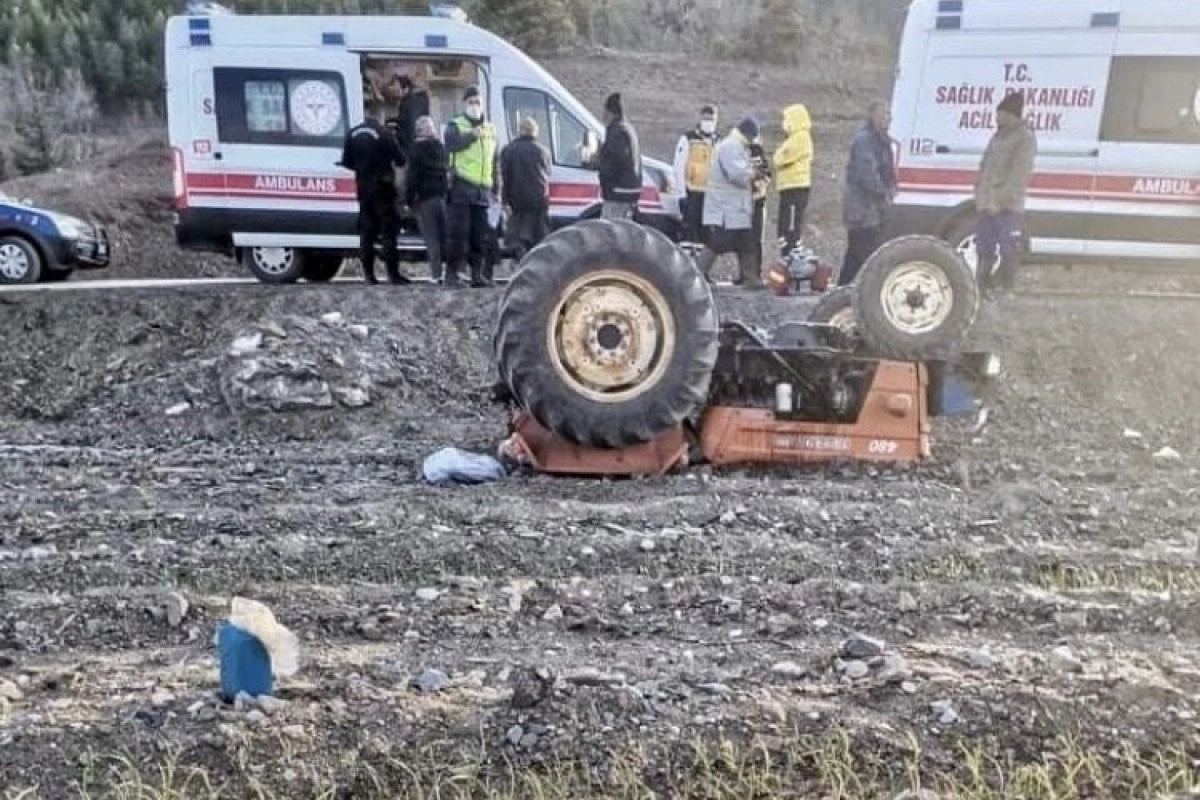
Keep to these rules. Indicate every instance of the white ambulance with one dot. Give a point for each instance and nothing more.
(257, 108)
(1112, 88)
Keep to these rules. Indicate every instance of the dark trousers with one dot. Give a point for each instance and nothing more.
(721, 241)
(526, 229)
(377, 217)
(861, 244)
(431, 217)
(759, 225)
(998, 236)
(693, 217)
(792, 205)
(466, 240)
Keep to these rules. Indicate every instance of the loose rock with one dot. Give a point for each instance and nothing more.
(859, 646)
(944, 711)
(782, 624)
(790, 670)
(10, 691)
(981, 659)
(553, 614)
(432, 680)
(906, 603)
(856, 670)
(1065, 660)
(176, 609)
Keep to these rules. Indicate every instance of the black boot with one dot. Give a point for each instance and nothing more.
(369, 273)
(477, 279)
(395, 276)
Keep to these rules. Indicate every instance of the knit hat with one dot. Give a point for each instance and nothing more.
(425, 128)
(613, 105)
(471, 93)
(1013, 104)
(749, 128)
(708, 110)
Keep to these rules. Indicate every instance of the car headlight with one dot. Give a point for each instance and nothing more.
(69, 227)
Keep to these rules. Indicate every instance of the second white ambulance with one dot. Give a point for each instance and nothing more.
(1112, 88)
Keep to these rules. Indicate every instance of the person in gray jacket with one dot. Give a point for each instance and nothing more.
(729, 205)
(870, 190)
(1000, 190)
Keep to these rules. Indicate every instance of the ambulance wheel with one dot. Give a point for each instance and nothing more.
(607, 334)
(20, 262)
(321, 267)
(274, 264)
(961, 236)
(915, 300)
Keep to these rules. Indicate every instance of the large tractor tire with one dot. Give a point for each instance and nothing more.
(607, 334)
(915, 300)
(836, 308)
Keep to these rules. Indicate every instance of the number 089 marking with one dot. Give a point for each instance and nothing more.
(884, 447)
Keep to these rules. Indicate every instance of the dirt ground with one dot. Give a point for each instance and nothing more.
(1033, 588)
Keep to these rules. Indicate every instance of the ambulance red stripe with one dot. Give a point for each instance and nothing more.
(308, 187)
(1067, 185)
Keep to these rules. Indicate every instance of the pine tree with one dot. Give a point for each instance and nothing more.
(778, 33)
(536, 26)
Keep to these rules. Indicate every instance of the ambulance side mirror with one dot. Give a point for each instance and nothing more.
(588, 148)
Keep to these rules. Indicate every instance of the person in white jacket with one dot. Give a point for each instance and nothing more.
(692, 156)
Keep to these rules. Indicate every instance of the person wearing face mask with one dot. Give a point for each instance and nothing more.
(692, 155)
(474, 189)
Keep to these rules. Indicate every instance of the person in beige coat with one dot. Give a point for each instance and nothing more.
(729, 205)
(1000, 188)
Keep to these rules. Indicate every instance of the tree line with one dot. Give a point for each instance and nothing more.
(115, 46)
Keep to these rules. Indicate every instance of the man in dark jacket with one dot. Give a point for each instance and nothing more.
(619, 162)
(475, 175)
(371, 152)
(426, 185)
(414, 104)
(1000, 188)
(525, 175)
(870, 190)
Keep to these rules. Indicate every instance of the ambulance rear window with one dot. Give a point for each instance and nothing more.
(1153, 99)
(305, 108)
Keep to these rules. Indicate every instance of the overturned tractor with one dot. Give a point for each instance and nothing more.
(609, 344)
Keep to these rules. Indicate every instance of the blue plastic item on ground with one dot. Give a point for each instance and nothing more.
(956, 397)
(245, 663)
(453, 466)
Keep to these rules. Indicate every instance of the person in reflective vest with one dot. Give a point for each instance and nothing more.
(692, 156)
(474, 188)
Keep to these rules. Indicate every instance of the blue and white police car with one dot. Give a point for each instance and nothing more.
(40, 245)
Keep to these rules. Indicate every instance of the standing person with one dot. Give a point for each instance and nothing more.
(870, 190)
(762, 180)
(620, 163)
(372, 153)
(729, 205)
(414, 104)
(471, 143)
(525, 175)
(793, 173)
(1000, 188)
(692, 156)
(426, 187)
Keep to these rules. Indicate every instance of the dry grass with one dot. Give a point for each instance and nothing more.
(833, 766)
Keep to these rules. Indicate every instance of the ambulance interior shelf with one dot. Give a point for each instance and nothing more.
(444, 79)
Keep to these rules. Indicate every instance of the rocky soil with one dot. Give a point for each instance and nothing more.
(1015, 618)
